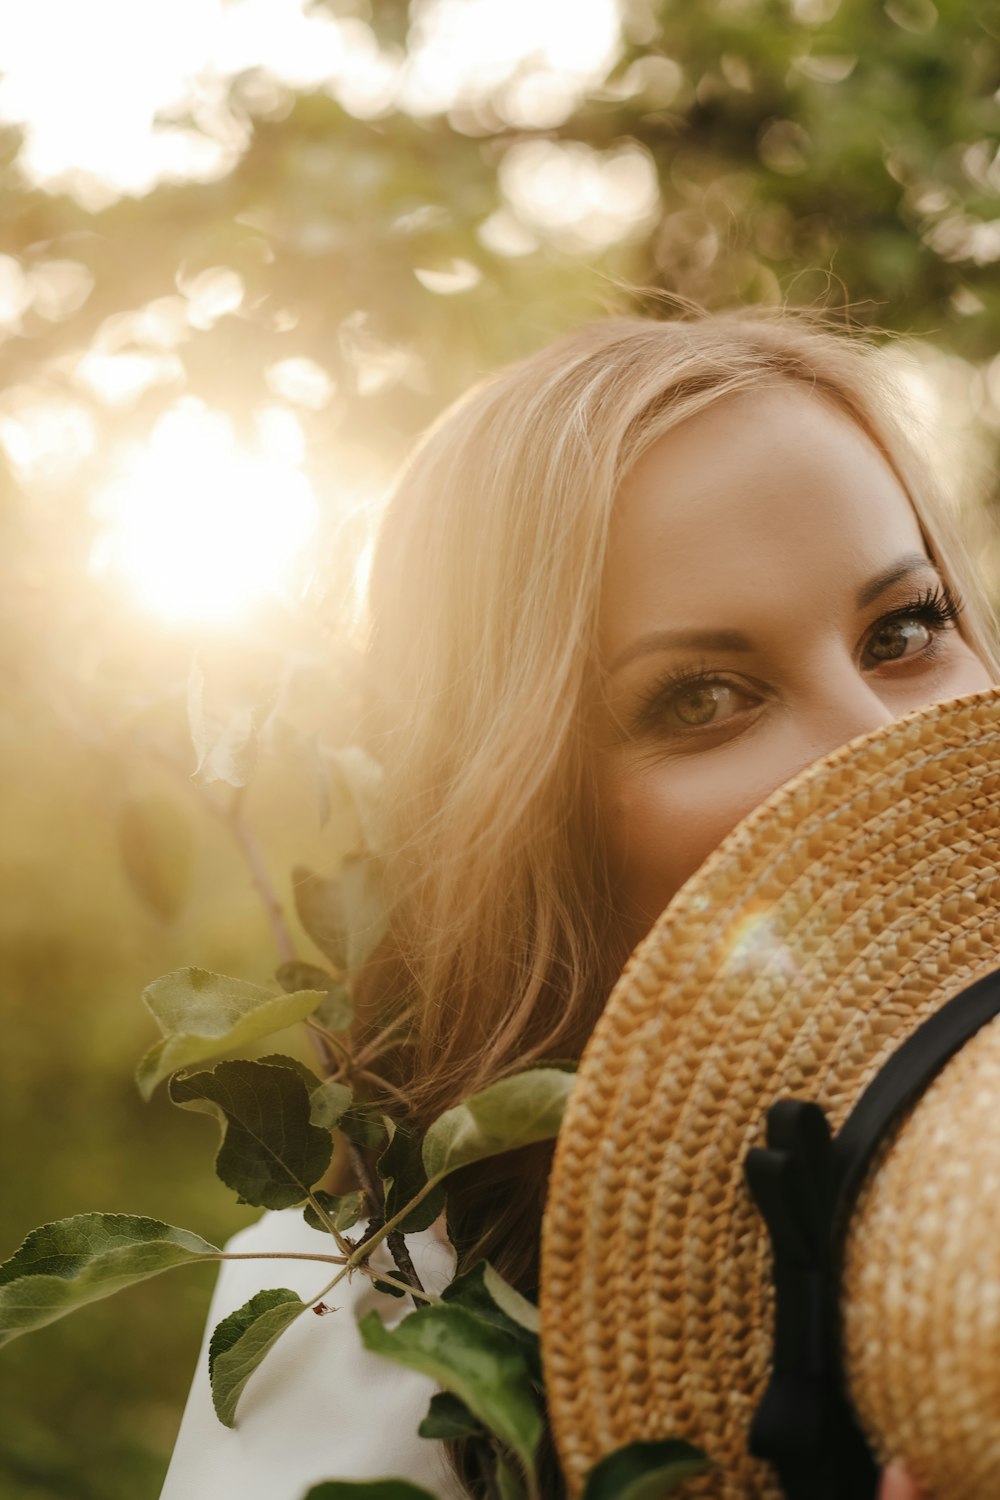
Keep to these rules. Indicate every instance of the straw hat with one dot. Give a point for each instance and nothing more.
(813, 944)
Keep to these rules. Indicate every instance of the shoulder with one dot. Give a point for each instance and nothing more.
(320, 1406)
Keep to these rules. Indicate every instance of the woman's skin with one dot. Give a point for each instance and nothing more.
(772, 527)
(765, 525)
(897, 1485)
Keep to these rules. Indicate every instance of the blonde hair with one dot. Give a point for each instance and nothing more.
(485, 595)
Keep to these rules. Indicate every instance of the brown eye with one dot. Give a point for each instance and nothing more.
(686, 702)
(698, 705)
(892, 638)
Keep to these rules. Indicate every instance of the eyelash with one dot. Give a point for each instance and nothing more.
(937, 607)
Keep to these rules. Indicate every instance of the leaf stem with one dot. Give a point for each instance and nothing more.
(372, 1190)
(333, 1260)
(387, 1228)
(342, 1245)
(396, 1281)
(368, 1183)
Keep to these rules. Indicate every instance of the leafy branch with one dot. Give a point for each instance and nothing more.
(478, 1340)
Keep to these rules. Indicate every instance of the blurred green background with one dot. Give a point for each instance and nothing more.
(247, 250)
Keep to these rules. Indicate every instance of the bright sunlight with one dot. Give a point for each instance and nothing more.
(201, 529)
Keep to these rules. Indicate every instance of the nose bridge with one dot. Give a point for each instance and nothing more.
(846, 704)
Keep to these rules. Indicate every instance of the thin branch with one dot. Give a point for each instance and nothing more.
(368, 1183)
(380, 1230)
(333, 1260)
(401, 1255)
(416, 1292)
(344, 1246)
(397, 1244)
(260, 875)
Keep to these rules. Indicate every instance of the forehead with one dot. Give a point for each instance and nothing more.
(766, 497)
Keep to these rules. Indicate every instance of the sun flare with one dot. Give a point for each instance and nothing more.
(198, 527)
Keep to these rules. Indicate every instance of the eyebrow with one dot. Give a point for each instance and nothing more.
(738, 640)
(913, 562)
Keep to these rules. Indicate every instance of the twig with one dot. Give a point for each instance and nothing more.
(397, 1244)
(417, 1293)
(345, 1246)
(369, 1185)
(333, 1260)
(400, 1254)
(260, 875)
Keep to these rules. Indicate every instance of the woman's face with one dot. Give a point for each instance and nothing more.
(768, 596)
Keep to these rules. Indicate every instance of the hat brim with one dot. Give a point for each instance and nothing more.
(835, 918)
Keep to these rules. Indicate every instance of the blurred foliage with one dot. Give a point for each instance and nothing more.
(737, 150)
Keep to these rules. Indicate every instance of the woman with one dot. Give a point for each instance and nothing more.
(625, 589)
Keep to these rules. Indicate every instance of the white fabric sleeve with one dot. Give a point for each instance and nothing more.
(320, 1406)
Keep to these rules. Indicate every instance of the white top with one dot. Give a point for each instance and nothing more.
(320, 1406)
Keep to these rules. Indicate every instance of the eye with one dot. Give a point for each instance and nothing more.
(914, 628)
(891, 640)
(690, 698)
(702, 702)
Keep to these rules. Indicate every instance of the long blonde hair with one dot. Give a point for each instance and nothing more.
(484, 600)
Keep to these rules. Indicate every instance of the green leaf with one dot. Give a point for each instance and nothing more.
(388, 1289)
(319, 909)
(401, 1169)
(363, 778)
(343, 1211)
(479, 1364)
(337, 1010)
(644, 1470)
(202, 1015)
(285, 1060)
(157, 848)
(511, 1302)
(509, 1485)
(344, 914)
(364, 1128)
(228, 704)
(448, 1418)
(361, 883)
(470, 1290)
(63, 1266)
(328, 1102)
(328, 1099)
(240, 1342)
(514, 1112)
(298, 975)
(368, 1489)
(271, 1155)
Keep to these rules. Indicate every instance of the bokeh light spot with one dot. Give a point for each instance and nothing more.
(197, 527)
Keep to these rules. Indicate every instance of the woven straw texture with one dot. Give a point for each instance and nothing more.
(832, 921)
